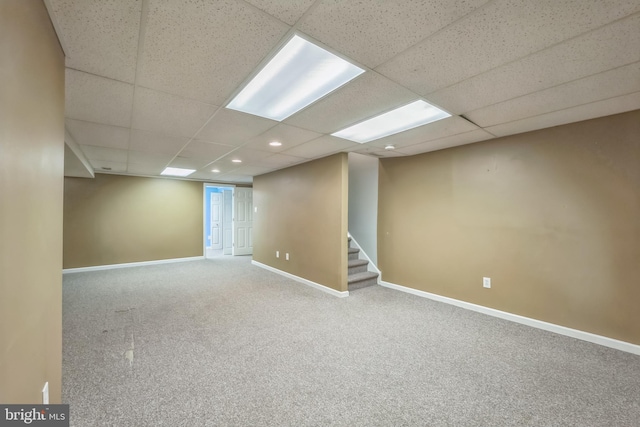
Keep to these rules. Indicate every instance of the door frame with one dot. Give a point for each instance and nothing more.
(206, 185)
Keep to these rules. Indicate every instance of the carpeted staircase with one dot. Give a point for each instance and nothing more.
(359, 276)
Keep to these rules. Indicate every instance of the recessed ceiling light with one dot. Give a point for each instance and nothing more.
(410, 116)
(215, 170)
(236, 161)
(177, 172)
(390, 147)
(298, 75)
(275, 144)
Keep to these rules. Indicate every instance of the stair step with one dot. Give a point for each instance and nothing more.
(353, 253)
(361, 280)
(357, 266)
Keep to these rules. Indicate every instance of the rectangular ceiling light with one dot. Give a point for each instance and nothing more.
(298, 75)
(177, 172)
(410, 116)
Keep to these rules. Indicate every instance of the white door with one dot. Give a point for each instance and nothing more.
(216, 220)
(227, 223)
(243, 221)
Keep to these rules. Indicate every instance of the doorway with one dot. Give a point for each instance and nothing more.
(218, 220)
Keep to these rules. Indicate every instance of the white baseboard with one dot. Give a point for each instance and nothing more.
(302, 280)
(130, 264)
(562, 330)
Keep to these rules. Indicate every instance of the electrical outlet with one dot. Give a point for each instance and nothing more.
(277, 254)
(486, 282)
(255, 209)
(286, 256)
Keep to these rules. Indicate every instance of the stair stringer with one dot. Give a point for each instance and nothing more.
(363, 255)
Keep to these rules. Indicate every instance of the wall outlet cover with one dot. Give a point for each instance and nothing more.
(486, 282)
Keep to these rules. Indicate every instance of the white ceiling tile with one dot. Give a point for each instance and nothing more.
(110, 167)
(605, 107)
(145, 168)
(447, 142)
(288, 136)
(446, 127)
(252, 170)
(99, 135)
(239, 179)
(97, 99)
(288, 11)
(231, 127)
(189, 163)
(500, 32)
(368, 95)
(169, 114)
(100, 37)
(608, 47)
(147, 158)
(320, 147)
(223, 165)
(206, 150)
(106, 154)
(150, 142)
(617, 82)
(372, 32)
(248, 157)
(218, 43)
(281, 160)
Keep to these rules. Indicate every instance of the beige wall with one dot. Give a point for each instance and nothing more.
(553, 217)
(303, 210)
(115, 219)
(31, 168)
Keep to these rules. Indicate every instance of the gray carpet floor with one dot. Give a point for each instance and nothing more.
(224, 343)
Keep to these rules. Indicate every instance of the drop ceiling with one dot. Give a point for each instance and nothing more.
(147, 80)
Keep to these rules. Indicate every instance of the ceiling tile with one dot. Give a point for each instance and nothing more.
(373, 32)
(206, 150)
(500, 32)
(248, 157)
(446, 127)
(146, 158)
(366, 96)
(218, 43)
(150, 142)
(320, 147)
(288, 136)
(106, 154)
(447, 142)
(100, 37)
(621, 81)
(608, 47)
(605, 107)
(252, 170)
(239, 179)
(224, 166)
(287, 11)
(88, 133)
(145, 168)
(231, 127)
(282, 160)
(169, 114)
(189, 163)
(96, 99)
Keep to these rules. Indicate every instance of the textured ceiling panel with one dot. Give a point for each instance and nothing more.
(248, 157)
(189, 162)
(368, 95)
(169, 114)
(500, 32)
(616, 105)
(88, 133)
(150, 142)
(252, 170)
(218, 43)
(96, 99)
(288, 136)
(100, 37)
(280, 160)
(447, 142)
(375, 31)
(288, 11)
(156, 159)
(205, 150)
(106, 166)
(106, 154)
(320, 147)
(231, 127)
(440, 129)
(621, 81)
(145, 168)
(609, 47)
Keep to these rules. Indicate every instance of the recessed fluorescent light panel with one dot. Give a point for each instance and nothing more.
(410, 116)
(177, 172)
(298, 75)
